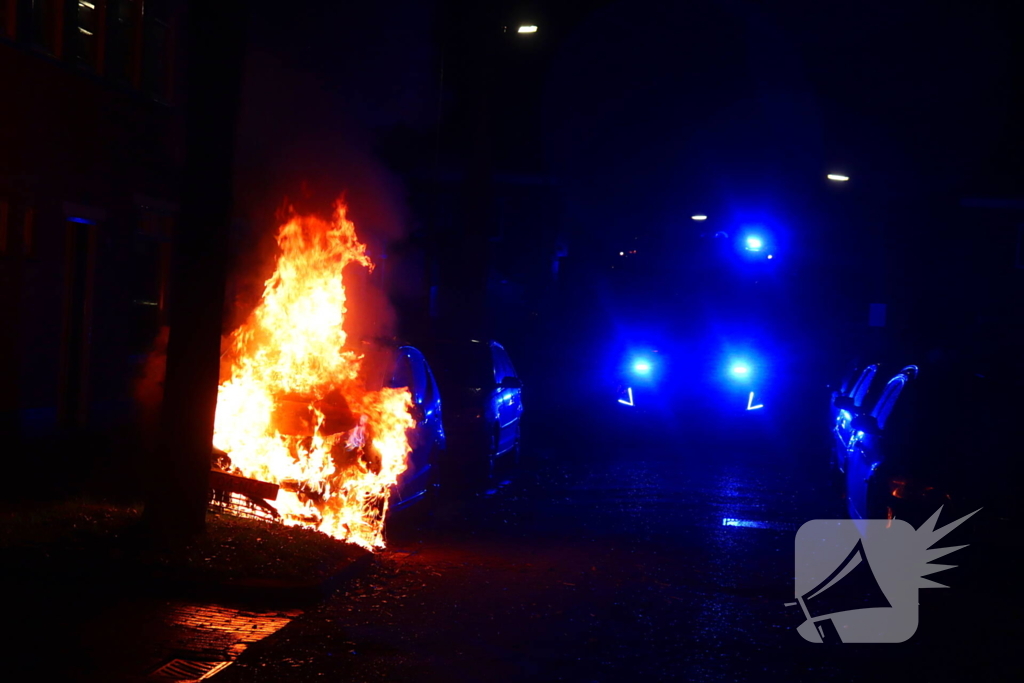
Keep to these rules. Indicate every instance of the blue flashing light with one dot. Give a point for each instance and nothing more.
(642, 367)
(83, 221)
(754, 243)
(740, 370)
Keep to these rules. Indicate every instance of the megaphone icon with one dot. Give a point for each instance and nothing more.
(851, 586)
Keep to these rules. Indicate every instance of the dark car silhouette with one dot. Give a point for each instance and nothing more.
(482, 394)
(945, 436)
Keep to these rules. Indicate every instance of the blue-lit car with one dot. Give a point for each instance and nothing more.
(946, 436)
(484, 406)
(408, 368)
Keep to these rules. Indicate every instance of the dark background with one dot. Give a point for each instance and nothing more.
(496, 177)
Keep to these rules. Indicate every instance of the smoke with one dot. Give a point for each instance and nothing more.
(322, 87)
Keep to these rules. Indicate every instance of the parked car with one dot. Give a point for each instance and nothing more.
(409, 368)
(483, 404)
(945, 438)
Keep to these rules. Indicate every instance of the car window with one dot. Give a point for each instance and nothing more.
(887, 400)
(860, 389)
(419, 377)
(410, 372)
(468, 366)
(401, 373)
(430, 391)
(502, 364)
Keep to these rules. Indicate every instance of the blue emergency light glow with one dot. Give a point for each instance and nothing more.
(754, 243)
(642, 367)
(750, 523)
(739, 370)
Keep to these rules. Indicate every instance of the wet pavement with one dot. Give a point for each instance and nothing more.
(617, 561)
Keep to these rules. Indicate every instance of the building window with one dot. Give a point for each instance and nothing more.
(87, 32)
(46, 21)
(8, 18)
(125, 45)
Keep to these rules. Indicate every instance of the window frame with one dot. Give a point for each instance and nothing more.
(887, 401)
(73, 28)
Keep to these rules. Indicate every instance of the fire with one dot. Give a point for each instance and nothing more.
(295, 408)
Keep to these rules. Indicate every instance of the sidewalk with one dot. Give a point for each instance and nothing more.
(90, 603)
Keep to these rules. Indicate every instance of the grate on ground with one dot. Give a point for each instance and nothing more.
(183, 670)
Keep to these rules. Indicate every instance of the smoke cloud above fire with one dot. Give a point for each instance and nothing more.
(318, 96)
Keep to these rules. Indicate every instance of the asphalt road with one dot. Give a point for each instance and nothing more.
(615, 559)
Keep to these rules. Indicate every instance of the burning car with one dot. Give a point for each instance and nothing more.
(302, 406)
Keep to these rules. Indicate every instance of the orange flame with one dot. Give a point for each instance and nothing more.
(290, 370)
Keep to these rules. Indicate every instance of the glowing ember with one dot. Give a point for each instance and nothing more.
(296, 410)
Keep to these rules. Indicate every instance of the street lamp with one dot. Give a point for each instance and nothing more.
(527, 29)
(837, 177)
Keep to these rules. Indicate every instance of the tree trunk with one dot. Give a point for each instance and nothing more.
(214, 48)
